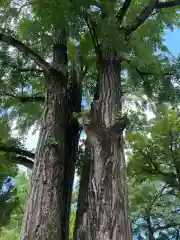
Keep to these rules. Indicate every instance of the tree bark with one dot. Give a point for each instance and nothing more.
(82, 206)
(150, 229)
(48, 207)
(45, 201)
(107, 199)
(71, 149)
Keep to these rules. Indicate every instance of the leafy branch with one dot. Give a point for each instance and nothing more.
(23, 161)
(146, 13)
(143, 73)
(13, 149)
(92, 26)
(167, 4)
(45, 66)
(122, 12)
(24, 98)
(19, 155)
(141, 17)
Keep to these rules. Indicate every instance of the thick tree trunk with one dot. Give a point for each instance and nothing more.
(48, 207)
(82, 206)
(45, 201)
(108, 203)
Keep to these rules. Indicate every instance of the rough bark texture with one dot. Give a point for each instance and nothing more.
(82, 206)
(43, 213)
(107, 214)
(72, 140)
(48, 207)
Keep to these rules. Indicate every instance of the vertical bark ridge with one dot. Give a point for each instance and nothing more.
(107, 213)
(110, 91)
(47, 212)
(43, 213)
(82, 206)
(72, 140)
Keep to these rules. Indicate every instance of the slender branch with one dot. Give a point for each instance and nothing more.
(23, 161)
(15, 66)
(16, 150)
(167, 4)
(172, 225)
(152, 163)
(24, 98)
(30, 70)
(141, 18)
(158, 194)
(45, 66)
(142, 73)
(174, 158)
(122, 12)
(146, 13)
(95, 40)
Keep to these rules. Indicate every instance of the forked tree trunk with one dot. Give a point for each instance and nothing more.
(108, 203)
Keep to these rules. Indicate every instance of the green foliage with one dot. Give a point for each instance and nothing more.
(153, 145)
(153, 173)
(13, 209)
(39, 29)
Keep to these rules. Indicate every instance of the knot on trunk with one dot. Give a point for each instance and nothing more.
(120, 125)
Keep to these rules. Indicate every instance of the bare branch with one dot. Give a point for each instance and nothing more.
(122, 12)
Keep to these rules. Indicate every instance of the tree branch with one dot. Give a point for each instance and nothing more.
(172, 225)
(95, 40)
(122, 12)
(24, 98)
(13, 149)
(140, 72)
(45, 66)
(23, 161)
(30, 70)
(141, 18)
(147, 11)
(167, 4)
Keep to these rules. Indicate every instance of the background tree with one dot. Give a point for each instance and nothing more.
(153, 175)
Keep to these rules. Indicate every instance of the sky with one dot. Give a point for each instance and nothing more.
(172, 40)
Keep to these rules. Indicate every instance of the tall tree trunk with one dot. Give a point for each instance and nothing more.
(150, 229)
(108, 203)
(45, 201)
(72, 140)
(82, 206)
(47, 212)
